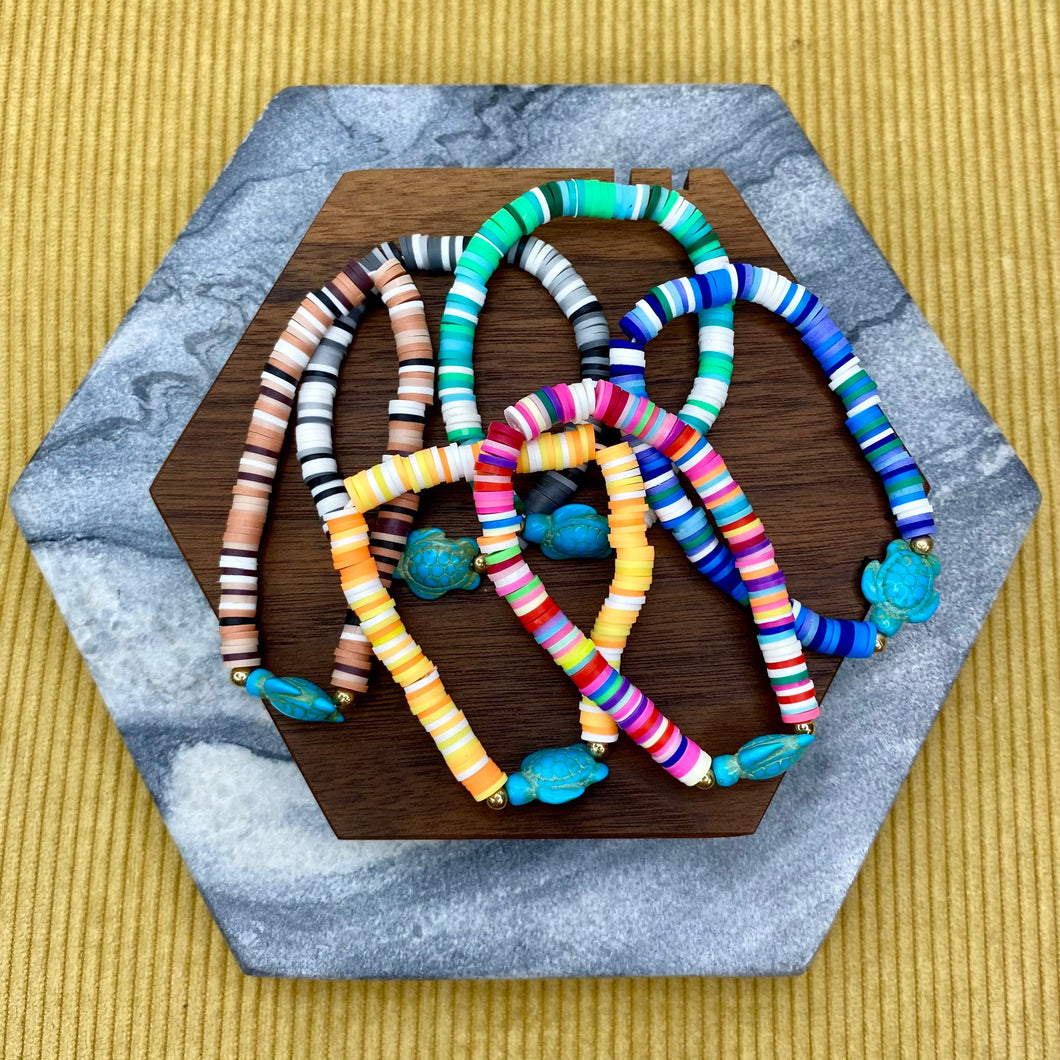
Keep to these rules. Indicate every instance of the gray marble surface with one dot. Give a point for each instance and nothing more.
(290, 898)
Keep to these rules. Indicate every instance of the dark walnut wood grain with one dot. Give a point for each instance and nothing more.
(693, 651)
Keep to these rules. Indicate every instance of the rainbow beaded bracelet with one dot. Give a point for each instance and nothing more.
(695, 456)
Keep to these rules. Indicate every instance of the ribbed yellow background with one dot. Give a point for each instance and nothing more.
(940, 122)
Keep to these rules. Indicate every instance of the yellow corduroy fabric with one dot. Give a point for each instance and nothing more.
(940, 122)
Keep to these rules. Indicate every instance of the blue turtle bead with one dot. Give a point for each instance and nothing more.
(554, 775)
(433, 564)
(901, 588)
(572, 531)
(769, 756)
(762, 758)
(295, 697)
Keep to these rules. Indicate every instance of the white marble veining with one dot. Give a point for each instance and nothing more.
(290, 898)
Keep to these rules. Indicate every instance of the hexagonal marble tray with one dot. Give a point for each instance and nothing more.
(292, 899)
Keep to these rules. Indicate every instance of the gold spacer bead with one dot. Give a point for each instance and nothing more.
(806, 727)
(597, 750)
(498, 800)
(342, 697)
(479, 564)
(881, 643)
(707, 782)
(239, 676)
(923, 546)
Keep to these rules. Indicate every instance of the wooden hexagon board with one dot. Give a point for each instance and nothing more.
(782, 434)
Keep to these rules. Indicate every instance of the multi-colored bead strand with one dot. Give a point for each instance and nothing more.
(634, 557)
(241, 544)
(634, 562)
(407, 417)
(572, 651)
(377, 612)
(752, 550)
(666, 496)
(866, 419)
(440, 254)
(575, 198)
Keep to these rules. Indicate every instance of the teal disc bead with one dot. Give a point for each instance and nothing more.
(295, 697)
(433, 564)
(572, 531)
(901, 588)
(762, 758)
(554, 775)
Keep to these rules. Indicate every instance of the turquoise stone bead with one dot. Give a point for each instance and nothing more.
(572, 531)
(555, 775)
(901, 588)
(762, 758)
(293, 696)
(433, 564)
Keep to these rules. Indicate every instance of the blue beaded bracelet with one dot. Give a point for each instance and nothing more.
(901, 588)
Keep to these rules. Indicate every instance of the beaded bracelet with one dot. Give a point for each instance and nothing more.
(313, 324)
(576, 654)
(902, 587)
(241, 544)
(577, 198)
(410, 668)
(315, 419)
(313, 426)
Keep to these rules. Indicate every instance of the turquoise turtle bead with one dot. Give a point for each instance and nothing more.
(555, 775)
(293, 696)
(433, 564)
(761, 758)
(572, 531)
(901, 588)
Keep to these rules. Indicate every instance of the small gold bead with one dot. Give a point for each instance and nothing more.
(806, 727)
(707, 782)
(922, 546)
(881, 643)
(598, 750)
(498, 800)
(239, 676)
(342, 698)
(479, 564)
